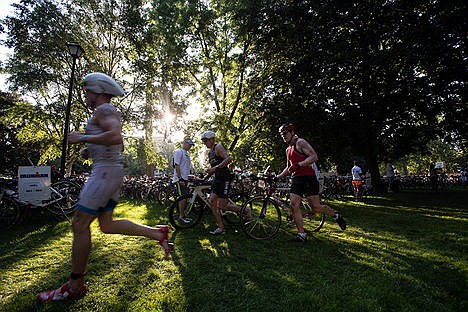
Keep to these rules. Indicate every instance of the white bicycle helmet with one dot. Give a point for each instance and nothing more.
(101, 83)
(208, 135)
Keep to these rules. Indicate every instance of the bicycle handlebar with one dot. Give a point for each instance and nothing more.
(267, 177)
(198, 182)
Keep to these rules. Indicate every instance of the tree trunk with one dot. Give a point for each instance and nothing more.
(150, 170)
(373, 162)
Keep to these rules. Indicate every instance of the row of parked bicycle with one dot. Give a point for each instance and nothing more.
(61, 203)
(64, 193)
(161, 190)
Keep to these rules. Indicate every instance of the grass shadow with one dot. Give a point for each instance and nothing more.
(399, 252)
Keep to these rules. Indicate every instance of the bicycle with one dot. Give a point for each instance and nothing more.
(9, 208)
(367, 189)
(265, 219)
(197, 201)
(61, 203)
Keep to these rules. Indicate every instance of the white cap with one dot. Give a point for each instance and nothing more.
(208, 135)
(101, 83)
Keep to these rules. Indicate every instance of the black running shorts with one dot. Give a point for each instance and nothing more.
(305, 186)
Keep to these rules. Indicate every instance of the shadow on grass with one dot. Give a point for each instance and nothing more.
(20, 246)
(412, 215)
(241, 274)
(399, 253)
(18, 243)
(431, 277)
(122, 283)
(386, 260)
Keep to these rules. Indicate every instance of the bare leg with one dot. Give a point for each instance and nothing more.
(110, 226)
(182, 204)
(81, 246)
(357, 192)
(231, 206)
(314, 202)
(296, 211)
(216, 203)
(75, 288)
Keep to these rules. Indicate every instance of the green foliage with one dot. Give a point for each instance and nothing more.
(134, 157)
(437, 151)
(12, 149)
(153, 157)
(362, 80)
(28, 132)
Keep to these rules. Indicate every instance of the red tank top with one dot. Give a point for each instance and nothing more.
(294, 156)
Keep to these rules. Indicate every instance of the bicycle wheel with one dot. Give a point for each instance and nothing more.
(366, 192)
(193, 212)
(312, 221)
(265, 218)
(170, 195)
(161, 195)
(9, 212)
(64, 195)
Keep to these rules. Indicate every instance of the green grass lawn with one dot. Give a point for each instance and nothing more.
(401, 252)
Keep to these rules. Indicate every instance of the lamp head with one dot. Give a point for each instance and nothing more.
(75, 49)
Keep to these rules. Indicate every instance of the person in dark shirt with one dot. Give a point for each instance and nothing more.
(219, 160)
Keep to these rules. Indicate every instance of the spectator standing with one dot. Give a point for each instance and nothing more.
(356, 172)
(182, 164)
(433, 177)
(390, 173)
(464, 176)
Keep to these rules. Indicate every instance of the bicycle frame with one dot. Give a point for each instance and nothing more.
(197, 191)
(270, 194)
(46, 202)
(194, 204)
(58, 204)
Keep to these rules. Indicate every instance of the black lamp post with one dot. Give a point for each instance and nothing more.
(75, 51)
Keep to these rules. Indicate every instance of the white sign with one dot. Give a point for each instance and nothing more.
(34, 184)
(439, 164)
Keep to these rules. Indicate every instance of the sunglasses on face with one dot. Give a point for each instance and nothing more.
(284, 133)
(85, 90)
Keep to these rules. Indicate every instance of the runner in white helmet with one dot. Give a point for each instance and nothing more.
(100, 194)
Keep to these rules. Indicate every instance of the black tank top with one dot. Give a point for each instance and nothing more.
(220, 173)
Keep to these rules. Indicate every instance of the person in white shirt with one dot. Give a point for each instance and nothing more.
(356, 171)
(390, 173)
(182, 165)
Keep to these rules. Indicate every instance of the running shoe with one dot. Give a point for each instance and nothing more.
(185, 220)
(61, 294)
(341, 222)
(218, 231)
(298, 239)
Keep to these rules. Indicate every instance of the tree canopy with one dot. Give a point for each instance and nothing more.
(365, 80)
